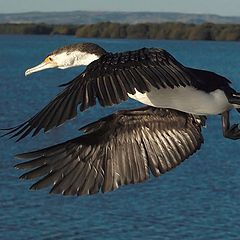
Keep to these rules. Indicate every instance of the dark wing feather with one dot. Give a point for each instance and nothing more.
(109, 80)
(210, 81)
(138, 142)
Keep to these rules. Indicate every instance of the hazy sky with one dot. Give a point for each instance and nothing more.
(221, 7)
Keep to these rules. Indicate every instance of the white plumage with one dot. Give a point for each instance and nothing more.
(187, 99)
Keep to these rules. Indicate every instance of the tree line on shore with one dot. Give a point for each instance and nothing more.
(171, 30)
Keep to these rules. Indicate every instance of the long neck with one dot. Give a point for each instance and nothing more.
(76, 58)
(78, 54)
(85, 59)
(89, 52)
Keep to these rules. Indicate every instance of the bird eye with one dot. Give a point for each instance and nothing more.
(50, 58)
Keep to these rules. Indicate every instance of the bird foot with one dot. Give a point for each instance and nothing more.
(233, 132)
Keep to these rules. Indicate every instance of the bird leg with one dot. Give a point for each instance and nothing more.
(232, 132)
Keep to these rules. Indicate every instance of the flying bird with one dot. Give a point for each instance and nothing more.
(149, 75)
(138, 143)
(130, 145)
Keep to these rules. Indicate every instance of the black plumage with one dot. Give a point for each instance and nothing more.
(139, 142)
(111, 78)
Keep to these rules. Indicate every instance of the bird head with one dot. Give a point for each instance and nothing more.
(80, 54)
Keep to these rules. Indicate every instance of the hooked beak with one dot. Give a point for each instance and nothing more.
(42, 66)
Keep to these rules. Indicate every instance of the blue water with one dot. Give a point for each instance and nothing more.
(198, 200)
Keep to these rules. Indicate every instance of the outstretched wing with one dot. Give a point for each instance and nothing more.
(109, 80)
(138, 141)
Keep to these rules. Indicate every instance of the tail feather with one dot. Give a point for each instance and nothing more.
(234, 98)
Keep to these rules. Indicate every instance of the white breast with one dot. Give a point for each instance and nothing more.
(186, 99)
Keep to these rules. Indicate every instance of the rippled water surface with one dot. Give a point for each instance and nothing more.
(198, 200)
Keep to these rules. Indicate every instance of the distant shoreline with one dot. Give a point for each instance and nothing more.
(169, 30)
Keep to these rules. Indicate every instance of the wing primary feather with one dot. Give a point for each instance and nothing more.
(92, 94)
(55, 114)
(26, 130)
(140, 86)
(128, 86)
(90, 178)
(38, 172)
(146, 73)
(145, 83)
(40, 116)
(67, 178)
(99, 93)
(14, 129)
(120, 86)
(173, 78)
(170, 137)
(51, 112)
(80, 189)
(171, 161)
(65, 106)
(159, 71)
(108, 91)
(180, 79)
(116, 98)
(152, 160)
(108, 168)
(45, 116)
(72, 189)
(156, 145)
(135, 164)
(49, 151)
(53, 176)
(85, 98)
(46, 181)
(71, 108)
(168, 78)
(47, 168)
(31, 164)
